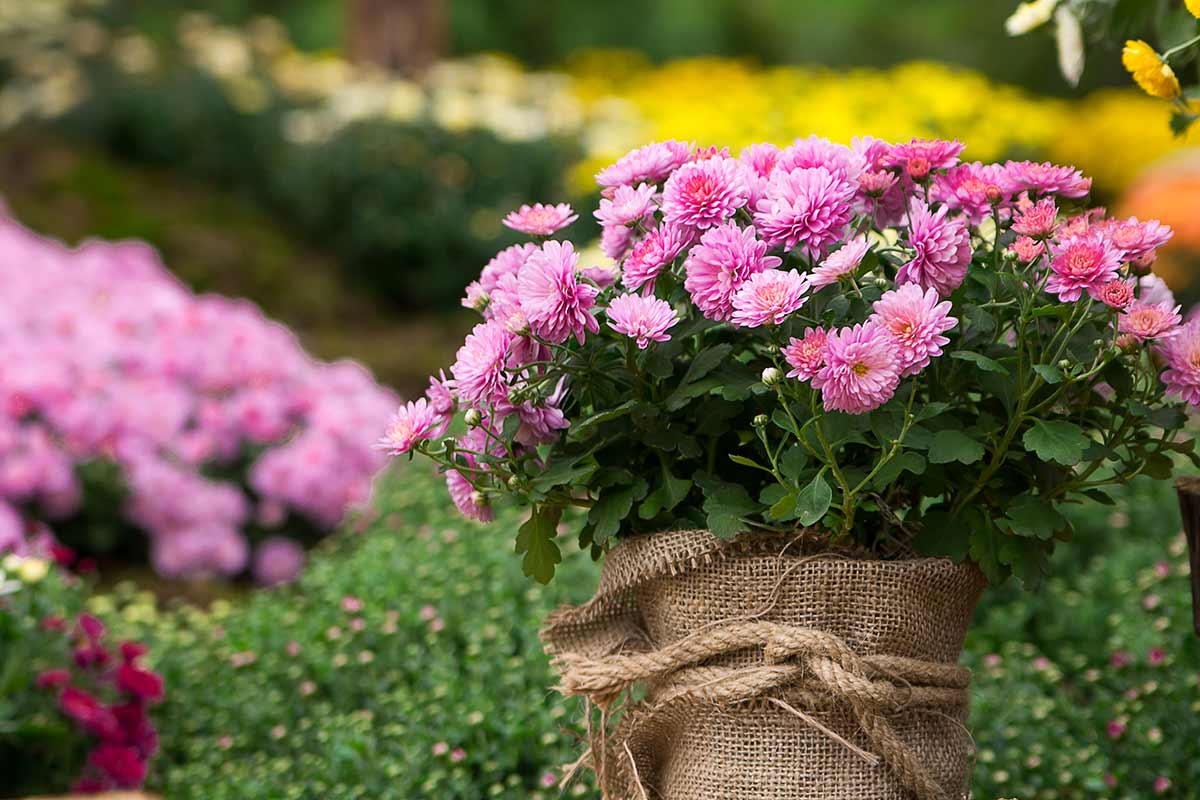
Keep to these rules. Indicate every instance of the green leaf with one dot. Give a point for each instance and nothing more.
(611, 509)
(1030, 515)
(793, 461)
(670, 493)
(564, 472)
(814, 501)
(784, 509)
(1056, 440)
(536, 540)
(727, 505)
(983, 362)
(1158, 465)
(941, 535)
(930, 410)
(953, 445)
(706, 361)
(746, 462)
(1050, 374)
(903, 461)
(586, 424)
(784, 422)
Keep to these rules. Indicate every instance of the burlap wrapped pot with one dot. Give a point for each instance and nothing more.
(768, 671)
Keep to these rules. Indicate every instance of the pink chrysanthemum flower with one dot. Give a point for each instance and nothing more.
(627, 205)
(806, 355)
(1116, 294)
(876, 183)
(769, 298)
(507, 262)
(1182, 355)
(539, 219)
(974, 189)
(1082, 264)
(760, 161)
(480, 363)
(919, 157)
(476, 297)
(1145, 321)
(1136, 239)
(644, 319)
(648, 164)
(552, 298)
(1038, 220)
(1027, 250)
(943, 250)
(615, 241)
(861, 370)
(916, 320)
(416, 421)
(1044, 178)
(817, 151)
(840, 263)
(541, 422)
(810, 207)
(648, 257)
(703, 194)
(440, 394)
(716, 268)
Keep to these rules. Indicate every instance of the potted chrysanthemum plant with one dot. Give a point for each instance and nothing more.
(811, 399)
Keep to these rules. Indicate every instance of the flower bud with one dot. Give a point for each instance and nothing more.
(514, 483)
(759, 421)
(1099, 344)
(881, 282)
(771, 376)
(1064, 365)
(472, 417)
(478, 499)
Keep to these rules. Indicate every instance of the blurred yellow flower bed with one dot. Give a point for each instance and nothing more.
(1110, 135)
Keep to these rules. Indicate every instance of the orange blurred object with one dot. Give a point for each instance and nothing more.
(1169, 191)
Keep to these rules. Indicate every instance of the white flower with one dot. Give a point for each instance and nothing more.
(1069, 35)
(1028, 16)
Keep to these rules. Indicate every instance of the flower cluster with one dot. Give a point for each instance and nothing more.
(125, 738)
(878, 338)
(220, 427)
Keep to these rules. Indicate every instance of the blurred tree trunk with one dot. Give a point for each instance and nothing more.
(405, 36)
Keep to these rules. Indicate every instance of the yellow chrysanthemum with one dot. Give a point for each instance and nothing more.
(1154, 75)
(1193, 6)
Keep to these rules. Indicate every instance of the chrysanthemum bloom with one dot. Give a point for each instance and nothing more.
(507, 262)
(840, 263)
(809, 207)
(539, 219)
(627, 205)
(1182, 355)
(469, 502)
(416, 421)
(806, 355)
(1082, 264)
(769, 298)
(861, 370)
(540, 422)
(1044, 178)
(554, 301)
(659, 248)
(642, 318)
(916, 320)
(1153, 289)
(480, 363)
(920, 156)
(1148, 69)
(1136, 238)
(705, 193)
(476, 297)
(816, 151)
(1116, 294)
(1038, 220)
(651, 163)
(973, 189)
(1144, 321)
(876, 183)
(760, 161)
(615, 241)
(473, 445)
(1027, 250)
(942, 249)
(1193, 6)
(716, 268)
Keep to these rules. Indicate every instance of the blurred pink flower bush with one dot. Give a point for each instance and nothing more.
(223, 429)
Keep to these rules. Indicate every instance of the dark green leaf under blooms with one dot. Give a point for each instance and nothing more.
(814, 501)
(535, 539)
(952, 445)
(1056, 440)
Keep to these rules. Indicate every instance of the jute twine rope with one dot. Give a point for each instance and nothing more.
(814, 666)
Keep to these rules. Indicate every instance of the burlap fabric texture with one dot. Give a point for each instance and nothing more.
(766, 671)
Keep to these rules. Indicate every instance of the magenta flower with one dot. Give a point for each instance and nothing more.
(1116, 294)
(554, 301)
(861, 370)
(1115, 729)
(760, 160)
(1144, 321)
(440, 394)
(1027, 250)
(810, 207)
(649, 164)
(627, 205)
(539, 219)
(942, 250)
(1137, 239)
(480, 363)
(507, 262)
(659, 248)
(840, 263)
(1044, 178)
(416, 421)
(919, 157)
(1082, 263)
(971, 188)
(616, 240)
(716, 268)
(703, 194)
(816, 151)
(1161, 784)
(1037, 220)
(642, 318)
(806, 355)
(769, 298)
(916, 320)
(278, 560)
(470, 503)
